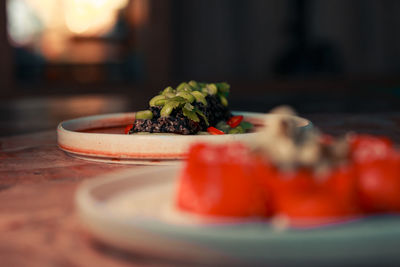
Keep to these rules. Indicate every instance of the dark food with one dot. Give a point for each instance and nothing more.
(190, 113)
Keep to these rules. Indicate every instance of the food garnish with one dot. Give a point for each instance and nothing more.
(234, 121)
(190, 108)
(214, 131)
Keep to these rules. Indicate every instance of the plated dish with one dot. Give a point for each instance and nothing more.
(133, 210)
(190, 108)
(102, 138)
(176, 118)
(288, 196)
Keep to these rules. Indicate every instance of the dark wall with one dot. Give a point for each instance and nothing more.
(257, 39)
(240, 41)
(6, 69)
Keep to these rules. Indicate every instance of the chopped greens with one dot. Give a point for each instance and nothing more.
(190, 100)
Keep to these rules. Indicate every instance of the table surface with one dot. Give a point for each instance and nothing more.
(38, 223)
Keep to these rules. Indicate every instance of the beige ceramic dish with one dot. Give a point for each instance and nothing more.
(102, 138)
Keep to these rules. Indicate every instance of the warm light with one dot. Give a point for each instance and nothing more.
(53, 44)
(138, 12)
(48, 25)
(49, 12)
(22, 25)
(91, 17)
(27, 18)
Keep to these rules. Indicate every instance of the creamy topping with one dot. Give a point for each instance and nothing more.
(289, 146)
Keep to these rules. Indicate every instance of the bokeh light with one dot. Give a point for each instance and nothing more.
(28, 19)
(91, 17)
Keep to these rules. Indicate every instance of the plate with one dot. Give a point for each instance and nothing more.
(133, 210)
(102, 138)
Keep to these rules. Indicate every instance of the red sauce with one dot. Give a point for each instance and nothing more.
(109, 130)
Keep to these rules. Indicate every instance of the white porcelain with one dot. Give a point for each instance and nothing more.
(133, 210)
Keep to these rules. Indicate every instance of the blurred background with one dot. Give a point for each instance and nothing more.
(67, 58)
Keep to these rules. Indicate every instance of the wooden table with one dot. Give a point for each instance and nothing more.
(38, 222)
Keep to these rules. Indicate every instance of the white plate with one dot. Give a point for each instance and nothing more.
(132, 210)
(102, 138)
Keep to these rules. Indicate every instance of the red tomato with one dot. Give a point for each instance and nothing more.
(379, 184)
(342, 181)
(128, 128)
(303, 196)
(218, 181)
(368, 148)
(234, 121)
(314, 209)
(265, 173)
(283, 182)
(214, 131)
(378, 172)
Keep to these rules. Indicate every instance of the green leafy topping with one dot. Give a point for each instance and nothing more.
(184, 87)
(190, 115)
(168, 107)
(144, 115)
(188, 96)
(160, 102)
(246, 125)
(174, 103)
(189, 106)
(223, 126)
(178, 99)
(169, 89)
(194, 85)
(201, 114)
(212, 89)
(170, 94)
(223, 88)
(237, 130)
(153, 101)
(188, 92)
(199, 97)
(223, 100)
(223, 92)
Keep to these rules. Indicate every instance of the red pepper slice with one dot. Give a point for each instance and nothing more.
(128, 128)
(235, 121)
(214, 131)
